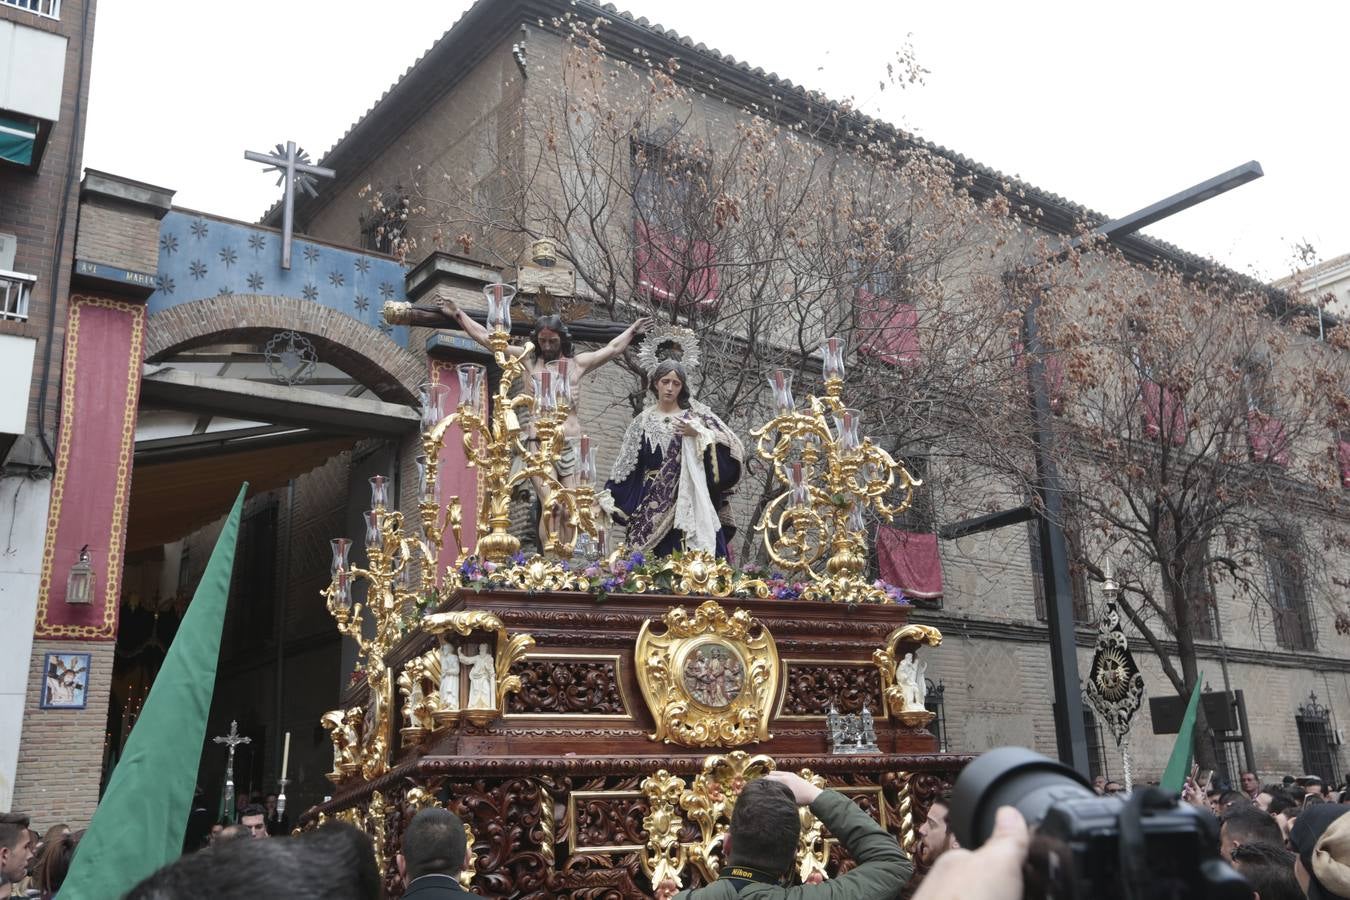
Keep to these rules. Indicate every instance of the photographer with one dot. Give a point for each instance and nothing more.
(1146, 844)
(761, 846)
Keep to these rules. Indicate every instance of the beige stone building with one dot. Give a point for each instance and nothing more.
(463, 139)
(467, 114)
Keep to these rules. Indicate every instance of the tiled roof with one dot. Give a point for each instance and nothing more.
(1066, 212)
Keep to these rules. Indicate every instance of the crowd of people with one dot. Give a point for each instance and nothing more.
(1290, 840)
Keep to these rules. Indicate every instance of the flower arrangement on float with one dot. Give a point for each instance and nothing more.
(628, 571)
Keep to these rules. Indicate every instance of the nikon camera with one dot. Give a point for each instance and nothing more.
(1146, 845)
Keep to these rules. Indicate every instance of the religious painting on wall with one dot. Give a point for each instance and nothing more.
(65, 684)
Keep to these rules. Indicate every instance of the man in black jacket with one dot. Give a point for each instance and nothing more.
(433, 856)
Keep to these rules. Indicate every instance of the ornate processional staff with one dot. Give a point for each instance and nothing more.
(1115, 688)
(232, 740)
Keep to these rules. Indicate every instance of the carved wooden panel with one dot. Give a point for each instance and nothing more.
(605, 821)
(813, 685)
(567, 686)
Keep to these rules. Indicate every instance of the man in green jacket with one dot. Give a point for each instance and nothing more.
(761, 846)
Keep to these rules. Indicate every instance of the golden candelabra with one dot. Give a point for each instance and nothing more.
(831, 475)
(494, 440)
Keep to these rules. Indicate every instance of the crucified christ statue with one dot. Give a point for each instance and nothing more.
(553, 346)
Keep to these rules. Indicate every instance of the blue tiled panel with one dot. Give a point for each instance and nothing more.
(202, 257)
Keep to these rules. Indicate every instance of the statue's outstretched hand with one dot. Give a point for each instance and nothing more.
(450, 309)
(642, 324)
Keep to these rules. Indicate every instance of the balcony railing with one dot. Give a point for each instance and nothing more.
(14, 290)
(49, 8)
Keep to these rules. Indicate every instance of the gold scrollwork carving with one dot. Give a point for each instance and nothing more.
(708, 803)
(344, 729)
(699, 572)
(419, 686)
(709, 679)
(466, 876)
(510, 649)
(663, 857)
(889, 657)
(812, 853)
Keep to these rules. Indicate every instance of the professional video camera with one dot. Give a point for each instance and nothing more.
(1147, 845)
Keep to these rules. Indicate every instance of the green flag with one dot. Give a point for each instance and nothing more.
(1178, 767)
(138, 826)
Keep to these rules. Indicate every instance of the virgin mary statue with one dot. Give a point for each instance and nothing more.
(676, 467)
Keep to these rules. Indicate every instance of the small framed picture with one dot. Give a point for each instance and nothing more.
(65, 682)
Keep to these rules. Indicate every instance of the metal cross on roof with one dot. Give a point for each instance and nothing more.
(296, 171)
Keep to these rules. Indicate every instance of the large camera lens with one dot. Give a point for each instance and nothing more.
(1009, 776)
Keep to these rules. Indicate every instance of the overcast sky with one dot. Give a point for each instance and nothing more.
(1111, 106)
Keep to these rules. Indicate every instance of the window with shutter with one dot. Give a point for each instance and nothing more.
(888, 329)
(674, 267)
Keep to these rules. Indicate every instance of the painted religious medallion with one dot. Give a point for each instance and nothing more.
(713, 674)
(709, 677)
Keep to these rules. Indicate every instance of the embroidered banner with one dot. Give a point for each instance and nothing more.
(100, 388)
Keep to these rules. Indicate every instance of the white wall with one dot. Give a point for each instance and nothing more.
(23, 526)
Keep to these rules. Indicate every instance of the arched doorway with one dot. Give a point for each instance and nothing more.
(304, 403)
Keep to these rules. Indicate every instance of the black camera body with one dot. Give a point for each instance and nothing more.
(1148, 845)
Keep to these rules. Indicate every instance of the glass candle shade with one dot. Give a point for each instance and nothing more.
(601, 542)
(833, 363)
(562, 379)
(342, 548)
(780, 383)
(585, 460)
(426, 489)
(499, 297)
(798, 493)
(379, 492)
(434, 397)
(472, 378)
(342, 592)
(374, 519)
(545, 391)
(848, 428)
(855, 517)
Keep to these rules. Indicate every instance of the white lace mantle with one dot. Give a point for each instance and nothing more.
(659, 430)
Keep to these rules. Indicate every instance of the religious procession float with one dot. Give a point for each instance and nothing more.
(592, 712)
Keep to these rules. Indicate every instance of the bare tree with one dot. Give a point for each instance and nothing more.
(1195, 442)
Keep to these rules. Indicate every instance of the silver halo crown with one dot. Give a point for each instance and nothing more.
(668, 341)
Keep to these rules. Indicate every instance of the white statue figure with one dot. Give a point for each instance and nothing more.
(482, 678)
(449, 677)
(909, 677)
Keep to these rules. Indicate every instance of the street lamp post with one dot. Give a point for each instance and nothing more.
(1049, 506)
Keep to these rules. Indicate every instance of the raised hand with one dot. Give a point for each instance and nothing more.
(803, 791)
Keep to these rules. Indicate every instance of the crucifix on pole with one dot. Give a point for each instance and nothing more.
(296, 171)
(231, 740)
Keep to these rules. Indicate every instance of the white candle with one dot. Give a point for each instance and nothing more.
(285, 756)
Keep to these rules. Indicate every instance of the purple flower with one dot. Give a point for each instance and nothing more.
(636, 558)
(489, 567)
(591, 571)
(518, 559)
(611, 584)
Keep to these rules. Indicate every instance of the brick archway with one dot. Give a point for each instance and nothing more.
(370, 357)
